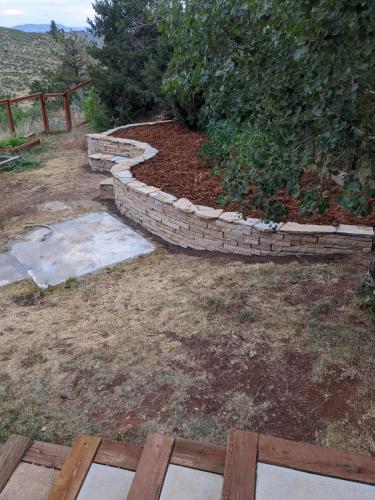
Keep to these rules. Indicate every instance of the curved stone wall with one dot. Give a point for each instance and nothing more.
(182, 223)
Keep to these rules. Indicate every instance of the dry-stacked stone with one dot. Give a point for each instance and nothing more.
(182, 223)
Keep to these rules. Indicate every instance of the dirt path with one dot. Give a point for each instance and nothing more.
(31, 196)
(181, 343)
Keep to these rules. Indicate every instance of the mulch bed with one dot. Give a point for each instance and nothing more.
(178, 170)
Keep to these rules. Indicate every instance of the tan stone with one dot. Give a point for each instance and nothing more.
(163, 197)
(184, 205)
(146, 189)
(294, 227)
(136, 184)
(207, 212)
(355, 230)
(231, 216)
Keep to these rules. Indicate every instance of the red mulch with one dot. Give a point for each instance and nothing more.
(178, 170)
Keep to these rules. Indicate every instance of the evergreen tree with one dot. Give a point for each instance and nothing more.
(72, 69)
(129, 66)
(53, 29)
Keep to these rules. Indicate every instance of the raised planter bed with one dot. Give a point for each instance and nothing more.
(194, 225)
(27, 146)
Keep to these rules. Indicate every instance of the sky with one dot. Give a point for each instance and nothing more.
(66, 12)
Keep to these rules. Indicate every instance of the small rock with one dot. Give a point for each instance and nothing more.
(184, 205)
(43, 429)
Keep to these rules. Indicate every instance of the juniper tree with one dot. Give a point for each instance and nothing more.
(129, 65)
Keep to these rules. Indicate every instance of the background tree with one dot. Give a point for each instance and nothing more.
(53, 29)
(72, 69)
(128, 68)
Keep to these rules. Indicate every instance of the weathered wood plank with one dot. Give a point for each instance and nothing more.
(152, 467)
(310, 458)
(201, 456)
(240, 466)
(115, 454)
(11, 454)
(47, 454)
(73, 473)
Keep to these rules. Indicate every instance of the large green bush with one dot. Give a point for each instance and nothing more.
(287, 87)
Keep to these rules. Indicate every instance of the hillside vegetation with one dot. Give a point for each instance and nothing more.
(23, 56)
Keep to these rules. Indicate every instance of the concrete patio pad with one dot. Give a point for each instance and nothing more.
(77, 247)
(10, 269)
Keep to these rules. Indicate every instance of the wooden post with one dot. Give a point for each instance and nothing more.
(43, 110)
(10, 117)
(68, 115)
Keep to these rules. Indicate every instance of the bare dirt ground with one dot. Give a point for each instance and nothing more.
(180, 343)
(65, 178)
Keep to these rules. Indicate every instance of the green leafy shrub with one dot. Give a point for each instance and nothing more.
(289, 87)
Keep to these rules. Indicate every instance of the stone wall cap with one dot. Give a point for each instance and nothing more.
(124, 174)
(163, 197)
(248, 222)
(136, 184)
(119, 159)
(268, 226)
(121, 167)
(207, 212)
(108, 181)
(295, 227)
(231, 216)
(124, 180)
(354, 230)
(146, 189)
(185, 205)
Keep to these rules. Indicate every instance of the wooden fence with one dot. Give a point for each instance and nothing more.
(7, 103)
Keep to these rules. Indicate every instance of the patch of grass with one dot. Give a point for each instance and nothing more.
(214, 302)
(71, 284)
(27, 161)
(246, 315)
(242, 409)
(11, 142)
(340, 343)
(321, 308)
(33, 358)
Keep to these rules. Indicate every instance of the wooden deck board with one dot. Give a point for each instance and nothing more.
(11, 454)
(74, 471)
(240, 466)
(152, 468)
(310, 458)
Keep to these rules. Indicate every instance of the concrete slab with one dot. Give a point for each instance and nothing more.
(189, 484)
(10, 269)
(296, 485)
(29, 482)
(77, 247)
(103, 482)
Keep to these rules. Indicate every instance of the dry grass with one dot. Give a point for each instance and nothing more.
(182, 343)
(23, 57)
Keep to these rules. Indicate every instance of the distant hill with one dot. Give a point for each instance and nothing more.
(44, 28)
(23, 56)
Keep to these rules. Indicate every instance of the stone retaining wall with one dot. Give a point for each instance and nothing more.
(182, 223)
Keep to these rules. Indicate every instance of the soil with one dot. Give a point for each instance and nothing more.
(178, 170)
(179, 343)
